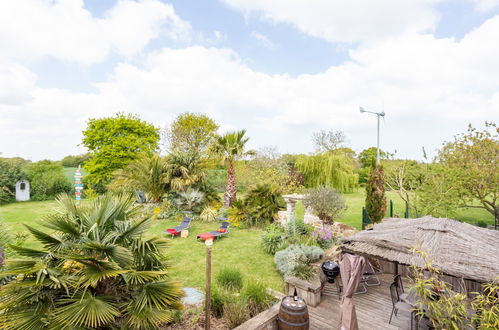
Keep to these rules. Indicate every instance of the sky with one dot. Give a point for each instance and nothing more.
(281, 69)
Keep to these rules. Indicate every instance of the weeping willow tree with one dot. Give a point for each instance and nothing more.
(328, 170)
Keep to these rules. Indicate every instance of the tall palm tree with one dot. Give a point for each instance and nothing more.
(185, 169)
(148, 174)
(96, 270)
(230, 147)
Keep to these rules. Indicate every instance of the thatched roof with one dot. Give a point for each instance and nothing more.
(457, 249)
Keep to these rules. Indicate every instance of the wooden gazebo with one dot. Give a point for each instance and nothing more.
(462, 252)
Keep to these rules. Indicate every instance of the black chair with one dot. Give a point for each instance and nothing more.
(398, 304)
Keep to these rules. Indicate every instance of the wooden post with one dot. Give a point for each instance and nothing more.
(208, 285)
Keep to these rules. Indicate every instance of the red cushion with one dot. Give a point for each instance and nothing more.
(222, 230)
(206, 236)
(172, 231)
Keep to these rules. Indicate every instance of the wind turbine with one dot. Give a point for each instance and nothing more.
(378, 115)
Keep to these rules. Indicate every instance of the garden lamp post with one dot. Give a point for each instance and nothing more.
(378, 114)
(207, 304)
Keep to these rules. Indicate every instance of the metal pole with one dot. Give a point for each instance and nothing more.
(377, 152)
(208, 288)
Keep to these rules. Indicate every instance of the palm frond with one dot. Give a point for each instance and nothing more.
(141, 277)
(48, 241)
(85, 311)
(31, 253)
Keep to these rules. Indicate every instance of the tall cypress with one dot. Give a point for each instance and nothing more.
(375, 194)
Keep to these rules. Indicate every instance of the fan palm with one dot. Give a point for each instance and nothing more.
(185, 169)
(96, 270)
(148, 174)
(230, 147)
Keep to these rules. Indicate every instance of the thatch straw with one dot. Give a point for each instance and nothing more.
(457, 249)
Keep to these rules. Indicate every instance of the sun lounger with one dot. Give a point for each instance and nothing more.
(223, 230)
(185, 224)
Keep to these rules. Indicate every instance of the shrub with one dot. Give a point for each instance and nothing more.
(295, 228)
(272, 238)
(47, 179)
(230, 278)
(191, 200)
(256, 296)
(262, 204)
(324, 238)
(208, 214)
(326, 203)
(235, 312)
(295, 256)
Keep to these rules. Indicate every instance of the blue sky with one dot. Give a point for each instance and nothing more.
(281, 69)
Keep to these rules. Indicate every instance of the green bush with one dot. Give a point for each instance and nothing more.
(230, 278)
(256, 296)
(11, 171)
(292, 260)
(47, 179)
(75, 161)
(262, 204)
(295, 228)
(272, 238)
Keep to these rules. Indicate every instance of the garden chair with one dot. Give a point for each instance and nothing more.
(370, 275)
(184, 224)
(223, 230)
(397, 304)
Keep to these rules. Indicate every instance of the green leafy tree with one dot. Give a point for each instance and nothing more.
(475, 157)
(367, 157)
(114, 143)
(148, 174)
(97, 270)
(231, 147)
(326, 203)
(11, 171)
(75, 160)
(375, 195)
(47, 179)
(191, 133)
(328, 169)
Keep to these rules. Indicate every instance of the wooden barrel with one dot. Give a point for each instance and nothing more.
(293, 314)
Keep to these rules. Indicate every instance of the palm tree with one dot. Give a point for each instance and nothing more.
(230, 147)
(96, 270)
(147, 174)
(184, 170)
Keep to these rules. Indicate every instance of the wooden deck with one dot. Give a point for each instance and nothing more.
(373, 309)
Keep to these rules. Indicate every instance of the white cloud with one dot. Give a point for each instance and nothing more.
(427, 84)
(264, 40)
(30, 29)
(16, 83)
(486, 5)
(346, 21)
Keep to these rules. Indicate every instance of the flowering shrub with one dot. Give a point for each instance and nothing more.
(324, 238)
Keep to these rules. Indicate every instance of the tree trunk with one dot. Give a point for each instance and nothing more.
(231, 188)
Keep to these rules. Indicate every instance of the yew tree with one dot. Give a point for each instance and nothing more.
(375, 195)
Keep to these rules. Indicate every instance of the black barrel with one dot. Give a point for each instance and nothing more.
(293, 314)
